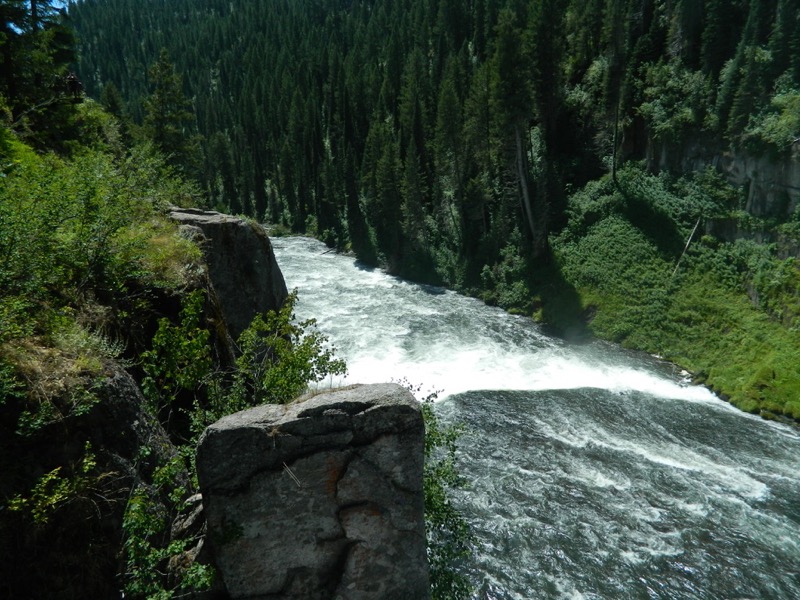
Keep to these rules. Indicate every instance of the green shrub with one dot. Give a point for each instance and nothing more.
(280, 357)
(54, 489)
(775, 129)
(450, 541)
(180, 357)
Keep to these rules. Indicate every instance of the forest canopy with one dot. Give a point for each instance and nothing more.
(519, 150)
(426, 131)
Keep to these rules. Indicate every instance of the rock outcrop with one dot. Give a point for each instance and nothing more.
(772, 184)
(319, 499)
(74, 550)
(241, 265)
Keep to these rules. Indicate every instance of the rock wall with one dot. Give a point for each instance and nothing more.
(772, 184)
(76, 551)
(241, 265)
(319, 499)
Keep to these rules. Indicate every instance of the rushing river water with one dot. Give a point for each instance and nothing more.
(592, 472)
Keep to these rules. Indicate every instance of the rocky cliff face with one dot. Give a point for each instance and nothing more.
(242, 268)
(771, 186)
(74, 552)
(319, 499)
(67, 539)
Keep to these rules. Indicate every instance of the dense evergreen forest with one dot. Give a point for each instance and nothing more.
(428, 131)
(551, 157)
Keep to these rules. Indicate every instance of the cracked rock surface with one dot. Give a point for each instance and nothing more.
(319, 499)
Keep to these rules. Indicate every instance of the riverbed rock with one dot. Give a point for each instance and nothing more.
(242, 268)
(319, 499)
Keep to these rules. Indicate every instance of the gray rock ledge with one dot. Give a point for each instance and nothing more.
(241, 264)
(319, 499)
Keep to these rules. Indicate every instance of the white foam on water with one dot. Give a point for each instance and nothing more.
(566, 589)
(456, 369)
(642, 475)
(592, 477)
(733, 479)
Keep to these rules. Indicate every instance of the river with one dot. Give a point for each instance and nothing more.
(591, 471)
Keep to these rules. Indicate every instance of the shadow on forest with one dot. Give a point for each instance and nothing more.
(658, 226)
(558, 305)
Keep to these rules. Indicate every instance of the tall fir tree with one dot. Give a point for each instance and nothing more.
(169, 120)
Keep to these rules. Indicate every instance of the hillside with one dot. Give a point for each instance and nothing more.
(115, 351)
(620, 168)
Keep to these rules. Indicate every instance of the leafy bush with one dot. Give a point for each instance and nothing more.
(180, 358)
(449, 537)
(281, 357)
(54, 489)
(777, 127)
(85, 226)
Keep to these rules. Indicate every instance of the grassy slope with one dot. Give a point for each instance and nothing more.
(615, 276)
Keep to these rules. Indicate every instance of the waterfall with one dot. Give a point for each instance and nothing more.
(591, 471)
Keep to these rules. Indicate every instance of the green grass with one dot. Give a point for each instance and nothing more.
(615, 276)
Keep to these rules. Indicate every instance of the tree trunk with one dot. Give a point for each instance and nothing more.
(35, 15)
(523, 183)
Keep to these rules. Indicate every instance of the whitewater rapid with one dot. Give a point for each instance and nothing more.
(592, 471)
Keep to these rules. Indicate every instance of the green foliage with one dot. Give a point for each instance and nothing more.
(37, 49)
(506, 283)
(149, 513)
(10, 385)
(387, 132)
(450, 541)
(777, 127)
(675, 100)
(143, 521)
(78, 224)
(180, 357)
(698, 315)
(53, 489)
(83, 243)
(280, 357)
(168, 116)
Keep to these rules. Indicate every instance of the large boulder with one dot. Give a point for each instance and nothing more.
(241, 265)
(319, 499)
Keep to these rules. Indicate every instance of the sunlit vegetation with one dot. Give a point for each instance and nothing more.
(549, 157)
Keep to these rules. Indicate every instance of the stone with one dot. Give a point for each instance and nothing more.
(319, 499)
(241, 264)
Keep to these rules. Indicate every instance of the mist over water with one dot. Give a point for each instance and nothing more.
(592, 472)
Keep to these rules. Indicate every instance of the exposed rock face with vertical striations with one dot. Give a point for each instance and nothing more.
(241, 265)
(319, 499)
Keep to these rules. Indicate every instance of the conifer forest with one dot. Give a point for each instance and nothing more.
(550, 157)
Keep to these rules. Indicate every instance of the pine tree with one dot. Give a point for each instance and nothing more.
(545, 41)
(36, 50)
(169, 120)
(745, 80)
(448, 150)
(511, 109)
